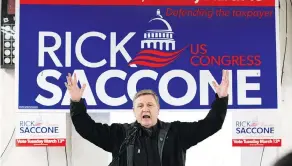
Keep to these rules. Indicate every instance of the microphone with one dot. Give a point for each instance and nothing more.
(130, 139)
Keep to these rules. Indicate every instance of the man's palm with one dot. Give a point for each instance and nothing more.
(222, 89)
(72, 86)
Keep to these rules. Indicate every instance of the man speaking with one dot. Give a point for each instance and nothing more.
(148, 141)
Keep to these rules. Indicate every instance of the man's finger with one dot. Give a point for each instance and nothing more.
(83, 88)
(69, 79)
(67, 86)
(224, 75)
(227, 77)
(215, 84)
(75, 79)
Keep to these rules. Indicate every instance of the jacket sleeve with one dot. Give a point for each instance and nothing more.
(102, 135)
(191, 133)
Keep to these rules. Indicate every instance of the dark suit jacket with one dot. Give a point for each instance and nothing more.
(180, 137)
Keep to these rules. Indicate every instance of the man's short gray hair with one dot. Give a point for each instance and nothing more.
(146, 92)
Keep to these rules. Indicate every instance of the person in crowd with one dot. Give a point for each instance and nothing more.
(148, 141)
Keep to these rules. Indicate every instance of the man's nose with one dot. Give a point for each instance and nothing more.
(145, 109)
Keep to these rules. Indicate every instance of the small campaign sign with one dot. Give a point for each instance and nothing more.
(41, 129)
(254, 128)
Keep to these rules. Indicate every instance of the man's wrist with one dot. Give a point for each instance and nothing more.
(75, 100)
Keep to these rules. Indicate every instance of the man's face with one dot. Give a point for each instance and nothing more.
(146, 110)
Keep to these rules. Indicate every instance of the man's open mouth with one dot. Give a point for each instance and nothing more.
(146, 116)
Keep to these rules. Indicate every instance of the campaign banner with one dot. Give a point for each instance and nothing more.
(176, 48)
(256, 129)
(40, 129)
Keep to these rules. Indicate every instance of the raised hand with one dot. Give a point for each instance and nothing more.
(72, 86)
(222, 89)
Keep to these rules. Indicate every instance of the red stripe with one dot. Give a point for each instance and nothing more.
(155, 2)
(40, 142)
(154, 59)
(256, 142)
(162, 53)
(150, 64)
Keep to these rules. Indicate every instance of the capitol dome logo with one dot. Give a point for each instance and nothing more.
(159, 38)
(157, 45)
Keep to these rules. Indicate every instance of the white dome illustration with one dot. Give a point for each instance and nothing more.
(160, 39)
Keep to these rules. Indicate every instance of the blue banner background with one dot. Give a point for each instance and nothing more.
(223, 35)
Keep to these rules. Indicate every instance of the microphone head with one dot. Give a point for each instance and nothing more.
(135, 127)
